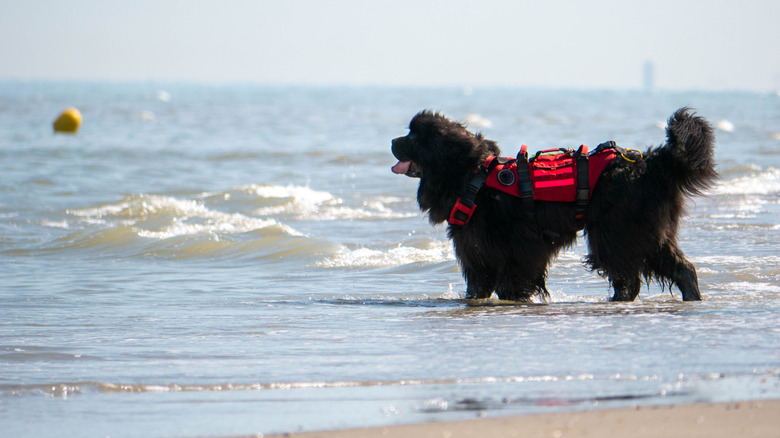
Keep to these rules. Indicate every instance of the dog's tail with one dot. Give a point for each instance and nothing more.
(688, 156)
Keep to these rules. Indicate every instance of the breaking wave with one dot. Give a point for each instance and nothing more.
(304, 203)
(758, 182)
(432, 252)
(164, 217)
(256, 221)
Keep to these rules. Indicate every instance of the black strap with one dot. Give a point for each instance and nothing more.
(464, 206)
(476, 183)
(524, 180)
(583, 186)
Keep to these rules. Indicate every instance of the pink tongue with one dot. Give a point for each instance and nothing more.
(402, 167)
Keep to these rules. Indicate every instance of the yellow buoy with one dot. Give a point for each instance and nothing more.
(68, 122)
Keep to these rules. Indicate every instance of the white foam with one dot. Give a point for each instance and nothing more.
(452, 294)
(56, 224)
(759, 183)
(221, 224)
(163, 96)
(300, 193)
(163, 217)
(728, 262)
(478, 121)
(751, 287)
(725, 125)
(558, 296)
(437, 252)
(308, 204)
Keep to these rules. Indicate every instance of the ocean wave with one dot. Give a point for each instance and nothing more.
(177, 227)
(252, 221)
(432, 252)
(731, 169)
(65, 389)
(761, 182)
(750, 288)
(271, 243)
(163, 217)
(304, 203)
(737, 260)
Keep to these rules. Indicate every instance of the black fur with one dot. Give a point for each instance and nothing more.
(631, 221)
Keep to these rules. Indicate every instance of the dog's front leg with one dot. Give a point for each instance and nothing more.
(479, 284)
(518, 288)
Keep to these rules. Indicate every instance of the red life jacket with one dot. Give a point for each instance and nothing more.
(550, 175)
(553, 174)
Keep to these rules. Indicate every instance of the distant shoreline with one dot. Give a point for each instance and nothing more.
(706, 420)
(465, 89)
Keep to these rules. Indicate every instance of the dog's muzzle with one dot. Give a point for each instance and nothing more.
(397, 148)
(405, 165)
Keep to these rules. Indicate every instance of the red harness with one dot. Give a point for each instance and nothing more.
(550, 175)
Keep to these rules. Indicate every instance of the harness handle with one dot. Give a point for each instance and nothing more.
(552, 151)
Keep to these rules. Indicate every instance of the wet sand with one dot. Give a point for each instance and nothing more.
(706, 420)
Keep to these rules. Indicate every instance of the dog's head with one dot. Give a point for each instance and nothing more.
(444, 155)
(433, 142)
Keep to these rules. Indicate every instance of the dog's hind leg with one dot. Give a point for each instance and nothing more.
(687, 281)
(626, 289)
(671, 264)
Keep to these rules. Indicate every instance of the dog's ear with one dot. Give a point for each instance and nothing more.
(427, 124)
(490, 146)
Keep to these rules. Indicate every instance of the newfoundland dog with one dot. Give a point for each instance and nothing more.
(504, 242)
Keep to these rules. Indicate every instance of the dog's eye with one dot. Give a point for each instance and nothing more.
(412, 136)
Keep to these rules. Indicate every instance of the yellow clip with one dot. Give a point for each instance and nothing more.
(628, 159)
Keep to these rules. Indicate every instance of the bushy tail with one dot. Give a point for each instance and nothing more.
(689, 151)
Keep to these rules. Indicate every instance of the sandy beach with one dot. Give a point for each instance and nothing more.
(706, 420)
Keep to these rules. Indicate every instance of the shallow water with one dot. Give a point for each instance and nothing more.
(204, 260)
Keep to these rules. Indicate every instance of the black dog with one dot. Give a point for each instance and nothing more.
(631, 220)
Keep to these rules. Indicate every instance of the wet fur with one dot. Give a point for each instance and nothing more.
(631, 222)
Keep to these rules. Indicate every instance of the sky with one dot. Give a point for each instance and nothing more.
(583, 44)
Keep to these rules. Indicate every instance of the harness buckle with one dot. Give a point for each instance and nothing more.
(461, 214)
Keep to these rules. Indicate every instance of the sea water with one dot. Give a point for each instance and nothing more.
(204, 260)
